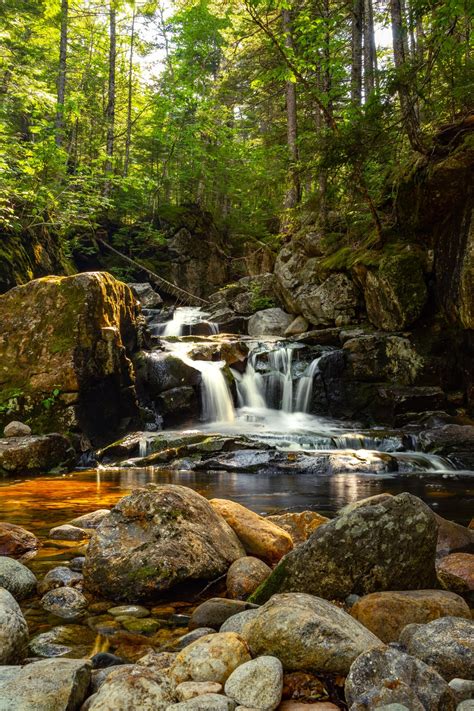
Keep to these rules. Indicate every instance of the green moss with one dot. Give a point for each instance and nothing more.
(272, 585)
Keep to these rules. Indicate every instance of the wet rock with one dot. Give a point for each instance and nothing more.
(104, 660)
(319, 337)
(13, 630)
(67, 532)
(448, 439)
(59, 577)
(160, 371)
(191, 637)
(211, 658)
(65, 602)
(177, 401)
(387, 613)
(47, 685)
(77, 563)
(244, 576)
(35, 454)
(146, 295)
(180, 537)
(17, 542)
(298, 326)
(379, 670)
(375, 358)
(129, 611)
(269, 322)
(214, 612)
(63, 641)
(16, 578)
(190, 689)
(257, 684)
(141, 626)
(236, 623)
(16, 429)
(306, 632)
(299, 525)
(138, 687)
(90, 520)
(456, 572)
(446, 644)
(381, 545)
(206, 702)
(259, 536)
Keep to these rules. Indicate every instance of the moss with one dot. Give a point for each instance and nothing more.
(272, 585)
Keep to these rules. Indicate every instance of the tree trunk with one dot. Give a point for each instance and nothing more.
(293, 193)
(128, 138)
(370, 53)
(59, 123)
(356, 68)
(110, 110)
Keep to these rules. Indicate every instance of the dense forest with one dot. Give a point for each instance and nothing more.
(119, 112)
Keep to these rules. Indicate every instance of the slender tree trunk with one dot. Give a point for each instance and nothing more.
(370, 53)
(59, 123)
(110, 110)
(293, 194)
(128, 138)
(356, 68)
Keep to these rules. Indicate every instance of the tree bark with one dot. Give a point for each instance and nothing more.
(293, 193)
(59, 123)
(110, 110)
(356, 68)
(128, 138)
(370, 53)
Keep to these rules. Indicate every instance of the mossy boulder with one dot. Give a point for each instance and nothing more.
(35, 454)
(65, 350)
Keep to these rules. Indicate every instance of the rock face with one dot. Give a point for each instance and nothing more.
(13, 630)
(379, 671)
(258, 535)
(446, 644)
(155, 538)
(48, 685)
(16, 578)
(35, 454)
(244, 576)
(387, 613)
(306, 632)
(64, 353)
(17, 542)
(257, 684)
(211, 658)
(380, 545)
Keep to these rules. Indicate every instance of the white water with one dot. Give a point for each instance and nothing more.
(187, 316)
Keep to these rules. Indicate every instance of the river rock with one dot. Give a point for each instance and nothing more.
(214, 612)
(90, 520)
(306, 632)
(17, 542)
(453, 538)
(146, 295)
(16, 578)
(65, 602)
(447, 439)
(236, 623)
(64, 640)
(68, 341)
(47, 685)
(160, 371)
(177, 402)
(446, 644)
(190, 689)
(180, 538)
(456, 572)
(269, 322)
(59, 577)
(244, 576)
(35, 454)
(129, 611)
(138, 687)
(206, 702)
(378, 669)
(463, 689)
(334, 301)
(299, 525)
(259, 536)
(16, 429)
(380, 545)
(257, 684)
(66, 532)
(211, 658)
(13, 630)
(390, 696)
(467, 705)
(387, 613)
(297, 706)
(192, 636)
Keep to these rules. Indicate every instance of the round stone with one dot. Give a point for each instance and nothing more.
(257, 684)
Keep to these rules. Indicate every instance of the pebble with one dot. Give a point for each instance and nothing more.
(129, 611)
(257, 684)
(145, 625)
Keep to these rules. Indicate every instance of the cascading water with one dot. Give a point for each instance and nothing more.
(304, 389)
(187, 316)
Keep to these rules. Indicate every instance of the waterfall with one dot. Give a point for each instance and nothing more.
(280, 381)
(250, 386)
(217, 405)
(187, 316)
(304, 389)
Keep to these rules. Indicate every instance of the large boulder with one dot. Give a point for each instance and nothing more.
(17, 542)
(65, 344)
(372, 358)
(13, 630)
(16, 578)
(379, 545)
(35, 454)
(334, 301)
(306, 632)
(153, 539)
(269, 322)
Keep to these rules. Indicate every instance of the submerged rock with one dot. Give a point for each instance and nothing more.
(63, 641)
(211, 658)
(17, 542)
(35, 454)
(379, 545)
(65, 602)
(153, 539)
(16, 578)
(13, 630)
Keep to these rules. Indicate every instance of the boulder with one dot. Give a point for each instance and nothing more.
(177, 402)
(59, 577)
(379, 545)
(448, 439)
(244, 576)
(17, 429)
(452, 537)
(47, 685)
(159, 371)
(211, 658)
(463, 689)
(297, 326)
(146, 295)
(389, 696)
(307, 632)
(65, 354)
(456, 572)
(214, 612)
(446, 644)
(153, 539)
(269, 322)
(13, 630)
(35, 454)
(375, 358)
(16, 578)
(259, 536)
(236, 623)
(335, 300)
(381, 672)
(65, 602)
(136, 687)
(317, 706)
(17, 542)
(257, 684)
(387, 613)
(299, 525)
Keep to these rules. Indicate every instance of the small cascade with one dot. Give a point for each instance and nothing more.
(304, 389)
(217, 404)
(184, 318)
(279, 383)
(250, 386)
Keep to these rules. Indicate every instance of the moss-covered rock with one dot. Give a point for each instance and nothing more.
(64, 354)
(31, 455)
